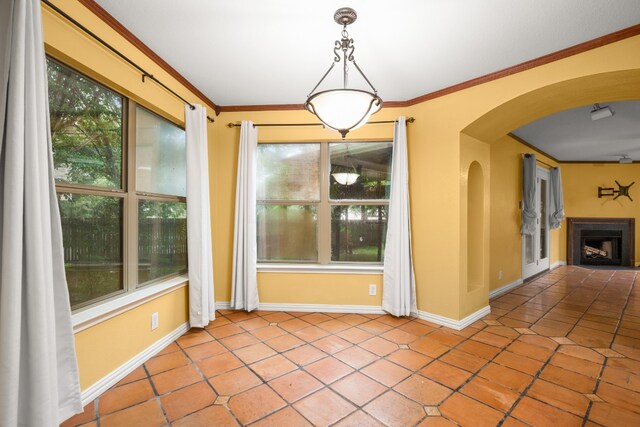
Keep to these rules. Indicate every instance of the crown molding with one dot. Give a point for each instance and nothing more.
(266, 107)
(112, 22)
(616, 36)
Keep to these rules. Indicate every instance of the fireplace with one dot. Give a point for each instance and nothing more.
(600, 241)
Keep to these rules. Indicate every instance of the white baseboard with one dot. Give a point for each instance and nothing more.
(224, 305)
(451, 323)
(504, 289)
(368, 309)
(323, 308)
(318, 308)
(557, 264)
(130, 365)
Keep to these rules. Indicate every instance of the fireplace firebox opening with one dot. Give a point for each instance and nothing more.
(600, 241)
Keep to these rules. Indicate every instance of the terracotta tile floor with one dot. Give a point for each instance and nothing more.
(561, 350)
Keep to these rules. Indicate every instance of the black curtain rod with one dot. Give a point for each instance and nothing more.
(235, 125)
(145, 74)
(539, 161)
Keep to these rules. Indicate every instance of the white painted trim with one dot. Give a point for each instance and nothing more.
(367, 309)
(321, 268)
(557, 264)
(224, 305)
(323, 308)
(504, 289)
(112, 378)
(451, 323)
(313, 308)
(99, 313)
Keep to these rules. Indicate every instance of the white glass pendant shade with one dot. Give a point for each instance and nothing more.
(345, 178)
(344, 109)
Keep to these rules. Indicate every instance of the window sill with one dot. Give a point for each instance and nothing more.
(320, 268)
(92, 316)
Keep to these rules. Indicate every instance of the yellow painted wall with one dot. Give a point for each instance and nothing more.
(321, 288)
(304, 288)
(581, 182)
(474, 224)
(506, 193)
(108, 345)
(437, 152)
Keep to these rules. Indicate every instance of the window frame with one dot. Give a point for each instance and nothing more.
(135, 197)
(130, 198)
(324, 264)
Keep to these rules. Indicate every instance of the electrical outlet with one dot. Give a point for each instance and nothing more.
(373, 289)
(500, 275)
(154, 321)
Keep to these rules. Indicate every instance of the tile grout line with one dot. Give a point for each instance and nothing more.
(474, 375)
(156, 396)
(263, 382)
(465, 338)
(606, 358)
(332, 355)
(549, 360)
(246, 365)
(537, 374)
(592, 302)
(508, 412)
(205, 379)
(324, 386)
(524, 394)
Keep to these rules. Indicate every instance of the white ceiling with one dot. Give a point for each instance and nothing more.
(248, 52)
(572, 135)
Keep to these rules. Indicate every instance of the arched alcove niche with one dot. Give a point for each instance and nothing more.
(475, 227)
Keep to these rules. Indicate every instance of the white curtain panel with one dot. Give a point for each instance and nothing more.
(529, 214)
(244, 285)
(38, 370)
(201, 304)
(399, 288)
(557, 199)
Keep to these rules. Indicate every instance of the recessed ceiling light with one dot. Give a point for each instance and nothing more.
(599, 112)
(625, 159)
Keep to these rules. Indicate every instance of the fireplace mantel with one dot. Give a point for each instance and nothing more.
(576, 225)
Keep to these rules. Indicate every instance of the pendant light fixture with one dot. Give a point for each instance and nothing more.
(344, 109)
(348, 177)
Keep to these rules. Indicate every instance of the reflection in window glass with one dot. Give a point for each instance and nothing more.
(287, 233)
(86, 129)
(162, 239)
(92, 238)
(288, 172)
(358, 233)
(160, 155)
(368, 163)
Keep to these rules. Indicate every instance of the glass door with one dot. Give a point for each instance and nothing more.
(535, 248)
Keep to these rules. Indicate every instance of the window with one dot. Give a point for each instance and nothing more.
(120, 180)
(323, 202)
